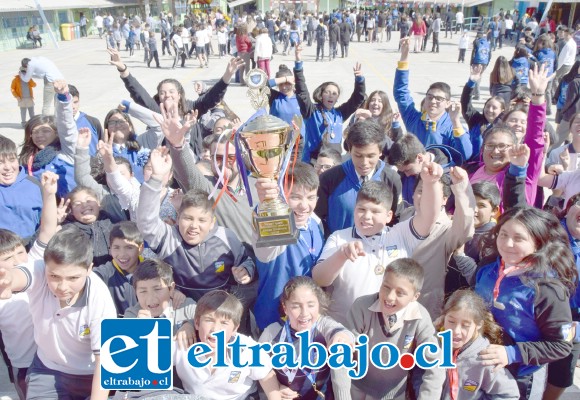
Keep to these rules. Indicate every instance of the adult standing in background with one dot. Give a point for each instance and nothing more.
(41, 67)
(83, 24)
(566, 58)
(345, 32)
(459, 20)
(448, 20)
(99, 23)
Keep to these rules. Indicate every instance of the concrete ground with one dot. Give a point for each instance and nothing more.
(85, 64)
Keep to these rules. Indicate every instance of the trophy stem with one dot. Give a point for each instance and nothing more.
(273, 207)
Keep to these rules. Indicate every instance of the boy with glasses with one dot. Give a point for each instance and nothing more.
(433, 124)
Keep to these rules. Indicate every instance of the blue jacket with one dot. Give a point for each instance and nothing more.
(481, 52)
(536, 316)
(284, 107)
(521, 66)
(547, 57)
(20, 205)
(86, 121)
(428, 132)
(65, 172)
(133, 158)
(295, 260)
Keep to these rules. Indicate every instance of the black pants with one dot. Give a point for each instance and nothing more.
(179, 53)
(153, 55)
(165, 45)
(461, 55)
(435, 42)
(388, 33)
(344, 49)
(332, 50)
(319, 50)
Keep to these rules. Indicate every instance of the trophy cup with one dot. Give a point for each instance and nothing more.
(266, 143)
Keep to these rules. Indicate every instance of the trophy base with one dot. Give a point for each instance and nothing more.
(277, 230)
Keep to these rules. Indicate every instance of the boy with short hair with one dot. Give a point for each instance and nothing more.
(220, 311)
(20, 196)
(408, 154)
(393, 315)
(354, 259)
(126, 245)
(154, 286)
(204, 255)
(432, 124)
(67, 303)
(85, 121)
(15, 319)
(340, 185)
(278, 264)
(327, 158)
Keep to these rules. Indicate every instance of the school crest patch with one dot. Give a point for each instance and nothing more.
(392, 251)
(234, 376)
(470, 385)
(84, 330)
(219, 267)
(408, 341)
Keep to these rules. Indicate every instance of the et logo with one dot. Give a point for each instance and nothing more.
(136, 354)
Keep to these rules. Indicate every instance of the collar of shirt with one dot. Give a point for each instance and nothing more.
(118, 147)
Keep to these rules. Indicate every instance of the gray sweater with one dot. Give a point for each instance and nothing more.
(480, 382)
(414, 328)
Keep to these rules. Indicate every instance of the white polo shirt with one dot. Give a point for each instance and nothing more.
(365, 275)
(228, 383)
(17, 330)
(67, 337)
(568, 182)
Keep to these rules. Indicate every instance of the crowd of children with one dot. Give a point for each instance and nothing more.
(400, 235)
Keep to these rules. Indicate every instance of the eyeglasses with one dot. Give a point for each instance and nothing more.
(323, 167)
(438, 99)
(500, 147)
(220, 158)
(115, 122)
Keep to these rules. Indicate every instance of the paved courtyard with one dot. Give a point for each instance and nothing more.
(84, 63)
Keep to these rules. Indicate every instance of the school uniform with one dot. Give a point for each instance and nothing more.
(228, 383)
(67, 337)
(119, 284)
(197, 269)
(476, 381)
(428, 132)
(365, 275)
(178, 316)
(276, 265)
(413, 327)
(339, 187)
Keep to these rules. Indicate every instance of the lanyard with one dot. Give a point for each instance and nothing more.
(502, 274)
(380, 267)
(311, 376)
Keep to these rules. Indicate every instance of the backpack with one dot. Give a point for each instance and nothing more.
(482, 52)
(320, 33)
(546, 57)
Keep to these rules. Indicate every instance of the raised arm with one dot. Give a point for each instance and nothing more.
(401, 91)
(470, 114)
(431, 199)
(462, 226)
(82, 162)
(514, 184)
(65, 123)
(307, 108)
(153, 136)
(358, 94)
(48, 217)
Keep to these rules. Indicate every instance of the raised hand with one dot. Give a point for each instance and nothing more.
(455, 110)
(60, 86)
(538, 80)
(171, 125)
(144, 314)
(62, 210)
(357, 69)
(84, 139)
(198, 87)
(236, 123)
(361, 114)
(298, 53)
(115, 59)
(49, 183)
(405, 46)
(160, 163)
(458, 175)
(105, 149)
(5, 283)
(234, 64)
(431, 172)
(185, 336)
(519, 154)
(476, 71)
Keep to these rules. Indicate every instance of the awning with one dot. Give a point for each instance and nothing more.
(30, 5)
(473, 3)
(236, 3)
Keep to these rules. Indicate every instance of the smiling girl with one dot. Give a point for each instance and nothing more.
(323, 117)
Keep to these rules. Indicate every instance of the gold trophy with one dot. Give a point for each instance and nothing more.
(265, 142)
